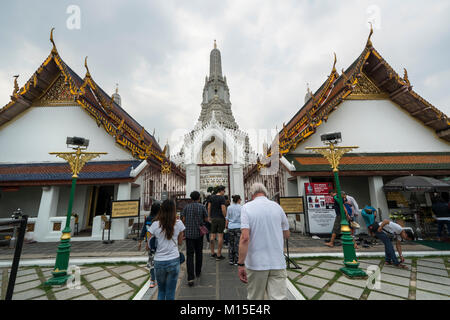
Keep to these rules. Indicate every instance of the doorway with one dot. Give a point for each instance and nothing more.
(100, 197)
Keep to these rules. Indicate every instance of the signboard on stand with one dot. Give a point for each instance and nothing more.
(319, 206)
(292, 205)
(125, 209)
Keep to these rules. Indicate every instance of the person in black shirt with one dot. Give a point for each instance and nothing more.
(216, 215)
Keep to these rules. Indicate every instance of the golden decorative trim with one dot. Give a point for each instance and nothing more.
(65, 236)
(365, 89)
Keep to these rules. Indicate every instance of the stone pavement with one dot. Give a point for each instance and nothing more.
(218, 281)
(101, 282)
(319, 278)
(426, 279)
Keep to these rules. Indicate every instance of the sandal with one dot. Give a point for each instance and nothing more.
(402, 266)
(387, 263)
(152, 283)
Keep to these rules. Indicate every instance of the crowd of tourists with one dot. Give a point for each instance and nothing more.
(254, 234)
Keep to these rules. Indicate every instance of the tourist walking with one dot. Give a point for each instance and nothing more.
(216, 215)
(193, 216)
(150, 243)
(262, 264)
(337, 220)
(387, 231)
(441, 211)
(169, 233)
(233, 224)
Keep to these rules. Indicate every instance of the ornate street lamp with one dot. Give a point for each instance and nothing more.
(333, 154)
(76, 161)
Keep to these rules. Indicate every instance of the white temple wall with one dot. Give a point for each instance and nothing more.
(377, 126)
(40, 130)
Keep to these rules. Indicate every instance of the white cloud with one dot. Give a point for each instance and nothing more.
(159, 52)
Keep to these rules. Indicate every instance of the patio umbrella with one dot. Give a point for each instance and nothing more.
(417, 184)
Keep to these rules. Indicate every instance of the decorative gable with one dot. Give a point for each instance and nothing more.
(57, 94)
(365, 89)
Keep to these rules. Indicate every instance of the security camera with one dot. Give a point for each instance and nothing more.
(333, 137)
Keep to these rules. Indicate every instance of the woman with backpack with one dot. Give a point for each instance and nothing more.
(169, 233)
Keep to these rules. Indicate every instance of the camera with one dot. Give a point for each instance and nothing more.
(333, 137)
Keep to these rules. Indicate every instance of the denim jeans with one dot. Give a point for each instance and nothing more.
(167, 276)
(233, 248)
(388, 248)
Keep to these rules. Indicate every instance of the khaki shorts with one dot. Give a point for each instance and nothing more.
(270, 284)
(217, 225)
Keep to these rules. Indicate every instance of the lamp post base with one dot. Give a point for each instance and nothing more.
(60, 275)
(354, 273)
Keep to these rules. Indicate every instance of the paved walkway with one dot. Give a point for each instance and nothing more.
(426, 279)
(318, 278)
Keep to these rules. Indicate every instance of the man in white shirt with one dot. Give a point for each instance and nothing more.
(264, 226)
(387, 231)
(355, 208)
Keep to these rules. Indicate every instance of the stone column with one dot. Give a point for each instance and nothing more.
(47, 209)
(237, 173)
(192, 178)
(119, 227)
(377, 196)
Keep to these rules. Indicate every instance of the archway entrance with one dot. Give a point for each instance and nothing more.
(212, 175)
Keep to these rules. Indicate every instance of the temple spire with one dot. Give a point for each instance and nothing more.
(215, 64)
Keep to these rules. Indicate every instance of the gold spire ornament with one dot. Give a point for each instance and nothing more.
(54, 51)
(369, 42)
(88, 74)
(16, 85)
(215, 44)
(334, 63)
(405, 77)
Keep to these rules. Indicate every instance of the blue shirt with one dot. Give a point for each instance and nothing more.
(369, 218)
(234, 216)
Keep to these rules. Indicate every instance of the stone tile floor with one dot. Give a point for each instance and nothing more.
(104, 282)
(426, 279)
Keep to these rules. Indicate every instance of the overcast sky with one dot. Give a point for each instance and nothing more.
(158, 51)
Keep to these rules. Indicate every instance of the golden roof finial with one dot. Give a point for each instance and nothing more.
(54, 51)
(117, 88)
(16, 85)
(334, 63)
(88, 74)
(215, 44)
(405, 77)
(369, 42)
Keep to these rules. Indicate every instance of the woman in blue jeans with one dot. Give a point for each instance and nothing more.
(169, 233)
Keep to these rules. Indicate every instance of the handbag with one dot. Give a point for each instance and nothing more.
(203, 230)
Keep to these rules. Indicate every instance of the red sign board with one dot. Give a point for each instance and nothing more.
(322, 188)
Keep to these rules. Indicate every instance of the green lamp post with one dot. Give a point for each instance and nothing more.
(333, 154)
(76, 161)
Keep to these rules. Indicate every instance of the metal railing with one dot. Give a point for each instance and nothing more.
(19, 237)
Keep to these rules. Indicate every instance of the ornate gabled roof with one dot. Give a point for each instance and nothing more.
(91, 97)
(368, 77)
